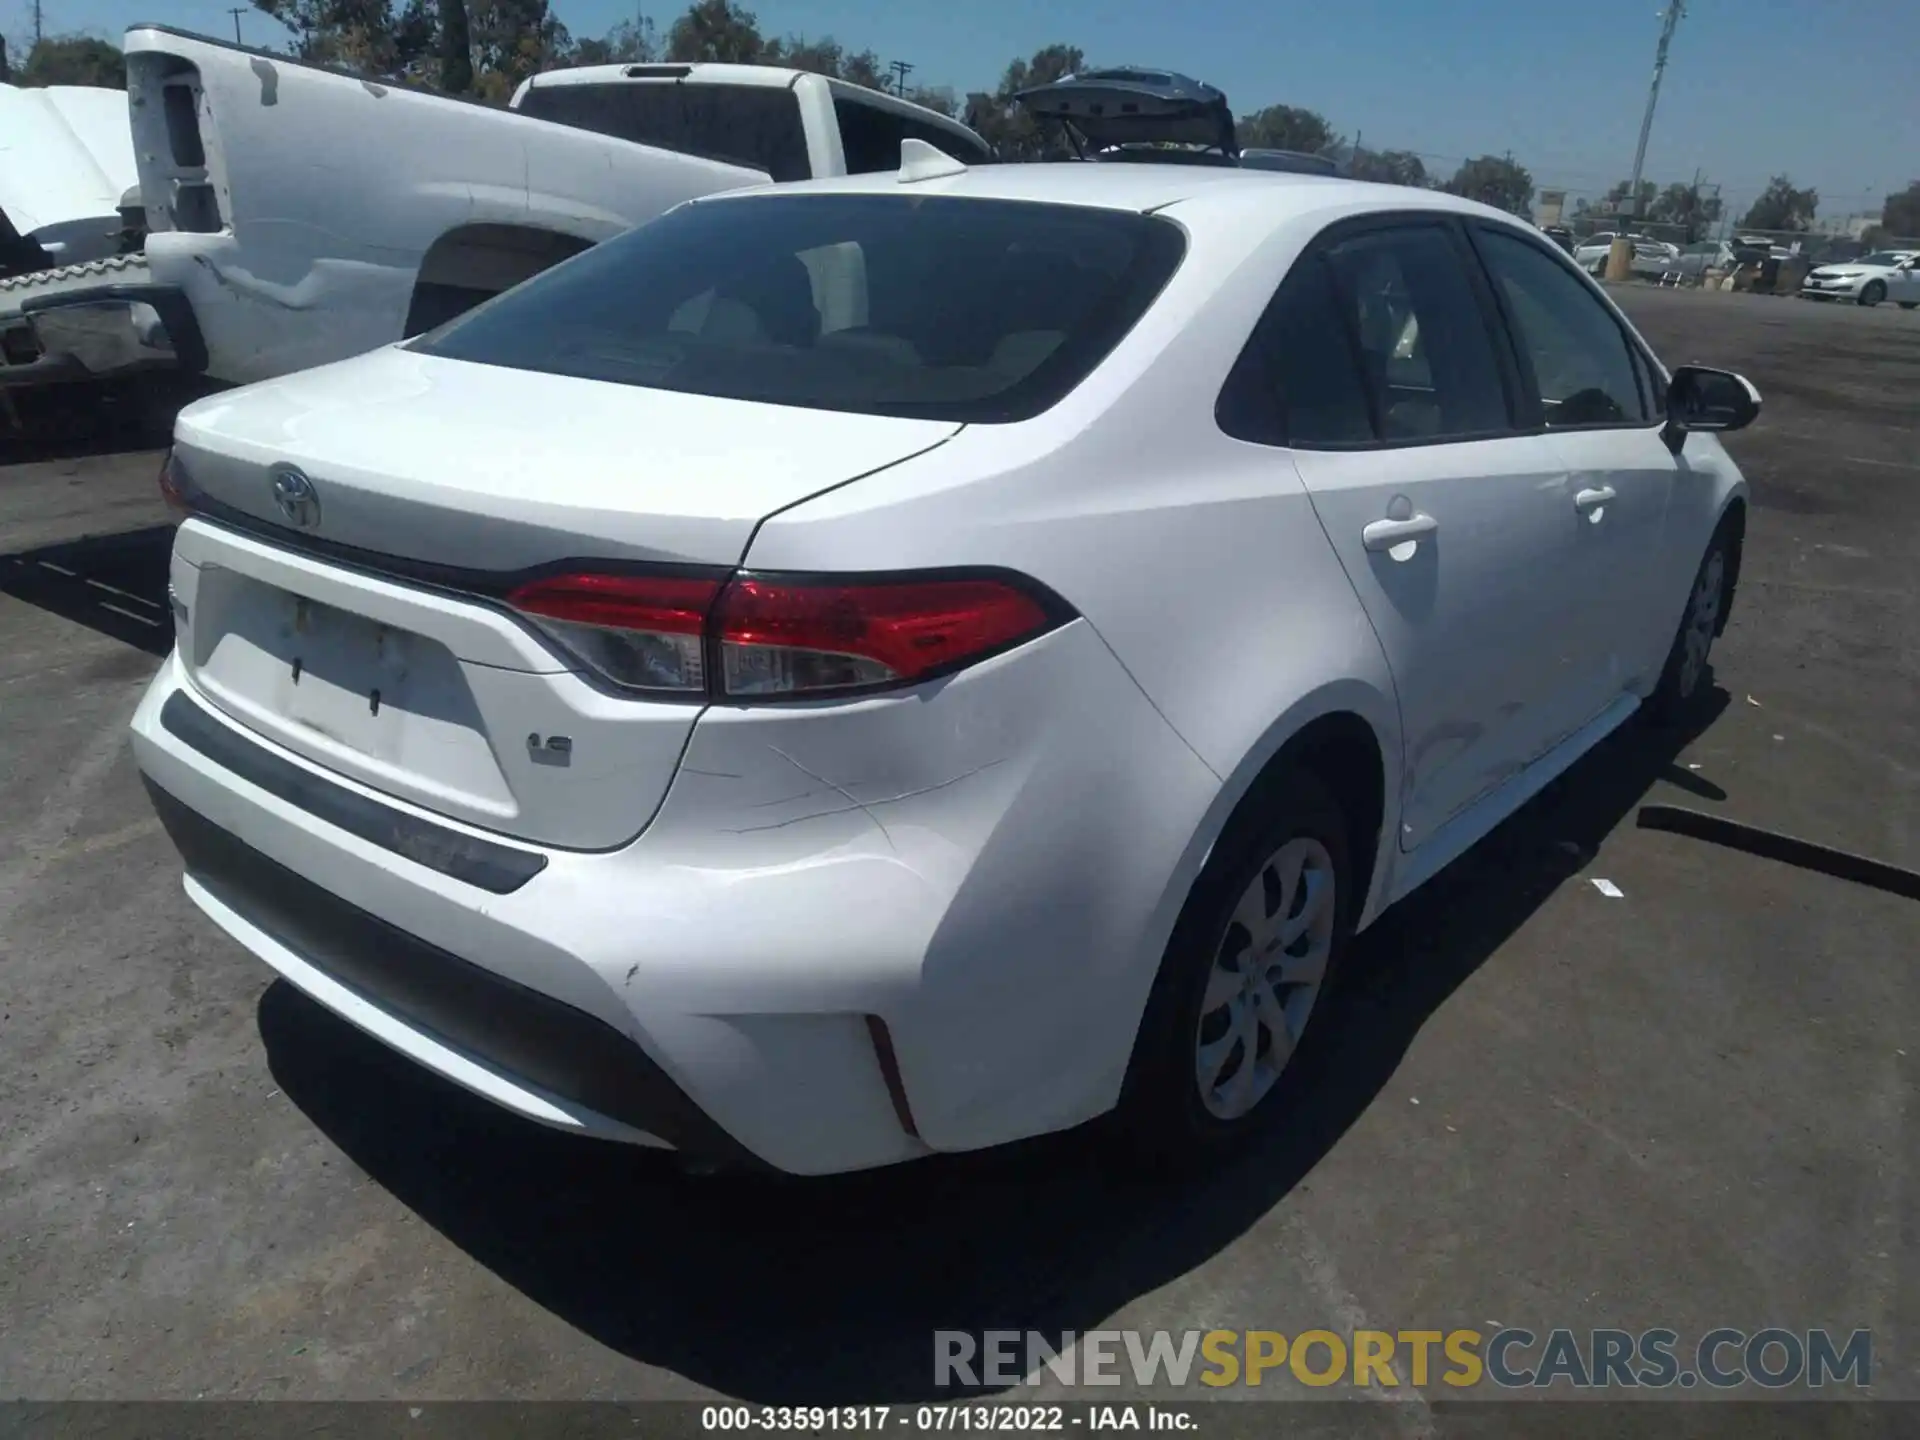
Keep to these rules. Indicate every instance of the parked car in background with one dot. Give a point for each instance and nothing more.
(70, 213)
(1129, 114)
(298, 215)
(1560, 235)
(1293, 162)
(1651, 258)
(1696, 259)
(792, 714)
(1883, 275)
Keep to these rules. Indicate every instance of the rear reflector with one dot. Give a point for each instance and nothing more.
(782, 638)
(175, 488)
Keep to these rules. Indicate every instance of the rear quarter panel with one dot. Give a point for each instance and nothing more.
(1195, 556)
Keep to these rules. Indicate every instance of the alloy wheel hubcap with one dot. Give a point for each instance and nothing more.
(1268, 968)
(1703, 615)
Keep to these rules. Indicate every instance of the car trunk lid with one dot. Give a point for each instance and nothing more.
(365, 629)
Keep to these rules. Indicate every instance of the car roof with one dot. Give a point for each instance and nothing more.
(1271, 194)
(713, 72)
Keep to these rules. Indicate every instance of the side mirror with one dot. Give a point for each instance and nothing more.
(1703, 399)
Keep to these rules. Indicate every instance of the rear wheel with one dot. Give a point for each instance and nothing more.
(1873, 292)
(1248, 968)
(1683, 683)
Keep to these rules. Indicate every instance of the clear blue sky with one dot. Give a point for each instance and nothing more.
(1827, 91)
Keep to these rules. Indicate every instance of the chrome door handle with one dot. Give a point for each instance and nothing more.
(1385, 534)
(1588, 499)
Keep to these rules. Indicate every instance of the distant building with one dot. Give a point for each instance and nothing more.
(1550, 207)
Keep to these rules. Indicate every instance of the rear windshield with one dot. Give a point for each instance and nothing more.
(757, 126)
(975, 311)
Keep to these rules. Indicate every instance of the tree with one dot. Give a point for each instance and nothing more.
(6, 70)
(456, 48)
(716, 30)
(1615, 201)
(1685, 206)
(364, 36)
(513, 39)
(1901, 214)
(1390, 167)
(1782, 207)
(625, 44)
(1285, 127)
(74, 60)
(1494, 181)
(1005, 125)
(937, 97)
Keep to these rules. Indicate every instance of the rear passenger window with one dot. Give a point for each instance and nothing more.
(870, 138)
(1296, 383)
(1582, 367)
(1426, 355)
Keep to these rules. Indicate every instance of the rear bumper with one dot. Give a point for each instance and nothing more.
(547, 1047)
(106, 331)
(714, 986)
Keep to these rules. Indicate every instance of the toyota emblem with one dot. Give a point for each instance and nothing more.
(295, 496)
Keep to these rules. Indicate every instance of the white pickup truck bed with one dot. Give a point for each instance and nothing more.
(298, 216)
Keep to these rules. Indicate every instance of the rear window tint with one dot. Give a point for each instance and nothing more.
(757, 126)
(976, 311)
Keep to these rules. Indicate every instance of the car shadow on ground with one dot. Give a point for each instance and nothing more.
(115, 584)
(827, 1291)
(82, 419)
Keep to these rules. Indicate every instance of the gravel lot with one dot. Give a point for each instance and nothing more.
(1691, 1106)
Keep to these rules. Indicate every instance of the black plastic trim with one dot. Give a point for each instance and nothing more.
(534, 1037)
(175, 310)
(498, 869)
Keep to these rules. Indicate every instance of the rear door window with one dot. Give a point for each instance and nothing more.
(870, 137)
(757, 126)
(1426, 353)
(976, 311)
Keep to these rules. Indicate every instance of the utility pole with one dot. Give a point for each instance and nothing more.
(237, 11)
(901, 69)
(1675, 9)
(36, 22)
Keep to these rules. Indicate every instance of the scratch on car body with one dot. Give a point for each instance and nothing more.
(867, 807)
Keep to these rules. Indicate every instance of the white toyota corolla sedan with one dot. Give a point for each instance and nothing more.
(894, 665)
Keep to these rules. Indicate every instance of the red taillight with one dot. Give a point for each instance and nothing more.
(173, 483)
(783, 638)
(641, 631)
(780, 638)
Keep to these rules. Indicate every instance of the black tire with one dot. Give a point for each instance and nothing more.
(1162, 1123)
(1684, 688)
(1873, 292)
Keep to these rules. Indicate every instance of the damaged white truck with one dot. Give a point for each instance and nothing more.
(71, 217)
(296, 215)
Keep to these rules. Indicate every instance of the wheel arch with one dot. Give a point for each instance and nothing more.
(1349, 734)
